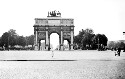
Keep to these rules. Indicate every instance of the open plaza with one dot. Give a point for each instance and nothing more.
(42, 62)
(79, 64)
(86, 42)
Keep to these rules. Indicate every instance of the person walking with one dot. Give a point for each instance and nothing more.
(119, 51)
(52, 53)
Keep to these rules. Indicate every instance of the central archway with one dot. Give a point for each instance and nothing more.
(42, 45)
(54, 41)
(66, 45)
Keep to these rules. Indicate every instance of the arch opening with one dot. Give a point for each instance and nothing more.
(66, 45)
(54, 41)
(42, 45)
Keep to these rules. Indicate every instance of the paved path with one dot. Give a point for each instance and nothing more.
(60, 55)
(64, 65)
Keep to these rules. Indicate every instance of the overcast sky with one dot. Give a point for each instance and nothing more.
(103, 16)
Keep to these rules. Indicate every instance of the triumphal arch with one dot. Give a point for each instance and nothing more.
(54, 23)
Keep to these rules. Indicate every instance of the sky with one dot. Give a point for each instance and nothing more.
(103, 16)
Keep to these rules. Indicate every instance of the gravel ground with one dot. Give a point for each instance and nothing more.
(64, 65)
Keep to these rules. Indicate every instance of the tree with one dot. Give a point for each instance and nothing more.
(0, 42)
(30, 40)
(87, 39)
(78, 38)
(5, 39)
(111, 44)
(116, 44)
(89, 31)
(8, 38)
(100, 40)
(104, 40)
(21, 41)
(84, 38)
(122, 44)
(12, 32)
(12, 37)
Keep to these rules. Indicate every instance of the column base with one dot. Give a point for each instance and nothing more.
(36, 48)
(71, 47)
(47, 48)
(40, 48)
(61, 47)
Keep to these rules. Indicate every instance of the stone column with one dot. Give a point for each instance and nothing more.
(61, 45)
(47, 41)
(71, 40)
(59, 48)
(36, 40)
(39, 45)
(69, 45)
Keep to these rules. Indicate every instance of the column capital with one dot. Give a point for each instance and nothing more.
(47, 45)
(72, 44)
(35, 45)
(46, 27)
(61, 27)
(61, 44)
(72, 30)
(61, 30)
(72, 27)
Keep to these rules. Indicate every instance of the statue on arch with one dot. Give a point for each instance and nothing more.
(54, 14)
(58, 13)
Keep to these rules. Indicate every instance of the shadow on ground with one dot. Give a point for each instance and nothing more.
(38, 60)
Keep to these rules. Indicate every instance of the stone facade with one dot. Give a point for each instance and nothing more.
(44, 27)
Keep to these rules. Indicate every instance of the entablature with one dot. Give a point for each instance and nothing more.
(54, 21)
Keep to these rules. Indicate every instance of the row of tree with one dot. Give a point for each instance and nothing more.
(86, 39)
(113, 45)
(11, 39)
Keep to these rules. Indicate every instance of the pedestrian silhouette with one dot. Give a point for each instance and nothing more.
(52, 53)
(119, 51)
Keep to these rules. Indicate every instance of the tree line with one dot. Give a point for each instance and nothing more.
(10, 40)
(86, 39)
(113, 45)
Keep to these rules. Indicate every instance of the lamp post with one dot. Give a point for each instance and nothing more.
(9, 35)
(98, 43)
(8, 42)
(124, 46)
